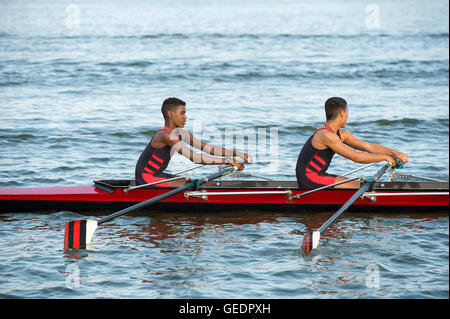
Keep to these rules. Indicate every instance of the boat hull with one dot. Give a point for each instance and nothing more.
(265, 196)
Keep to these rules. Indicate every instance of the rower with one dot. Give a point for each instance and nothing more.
(167, 140)
(318, 151)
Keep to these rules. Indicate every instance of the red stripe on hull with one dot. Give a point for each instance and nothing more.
(325, 197)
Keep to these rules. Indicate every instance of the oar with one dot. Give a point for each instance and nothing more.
(358, 169)
(126, 190)
(335, 184)
(311, 239)
(326, 187)
(79, 233)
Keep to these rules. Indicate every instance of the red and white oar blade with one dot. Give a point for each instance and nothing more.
(310, 242)
(79, 233)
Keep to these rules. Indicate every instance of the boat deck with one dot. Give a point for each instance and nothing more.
(293, 185)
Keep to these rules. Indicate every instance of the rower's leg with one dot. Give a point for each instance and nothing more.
(177, 183)
(162, 177)
(351, 184)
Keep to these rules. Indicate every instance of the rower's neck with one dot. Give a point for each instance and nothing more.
(170, 126)
(334, 126)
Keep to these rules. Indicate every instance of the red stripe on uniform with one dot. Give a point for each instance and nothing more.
(315, 166)
(153, 165)
(323, 180)
(148, 171)
(157, 158)
(319, 159)
(328, 128)
(150, 178)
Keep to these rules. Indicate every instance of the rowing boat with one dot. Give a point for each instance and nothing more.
(223, 195)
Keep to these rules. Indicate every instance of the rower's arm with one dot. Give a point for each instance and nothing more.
(213, 149)
(198, 158)
(177, 146)
(333, 142)
(375, 148)
(175, 142)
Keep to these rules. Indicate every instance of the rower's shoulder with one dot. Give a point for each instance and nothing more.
(164, 134)
(161, 134)
(166, 138)
(327, 138)
(324, 134)
(160, 139)
(344, 134)
(323, 139)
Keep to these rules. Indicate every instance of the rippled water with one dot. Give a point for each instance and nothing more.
(245, 255)
(79, 100)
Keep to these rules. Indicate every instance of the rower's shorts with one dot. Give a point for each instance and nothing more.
(151, 178)
(312, 180)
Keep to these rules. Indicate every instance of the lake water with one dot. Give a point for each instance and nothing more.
(81, 87)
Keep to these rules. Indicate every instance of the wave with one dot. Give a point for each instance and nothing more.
(126, 64)
(66, 72)
(299, 36)
(413, 124)
(405, 122)
(12, 83)
(219, 35)
(17, 137)
(334, 72)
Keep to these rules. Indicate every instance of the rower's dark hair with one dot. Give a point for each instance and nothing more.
(333, 106)
(170, 104)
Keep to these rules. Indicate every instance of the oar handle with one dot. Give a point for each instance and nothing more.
(399, 163)
(194, 184)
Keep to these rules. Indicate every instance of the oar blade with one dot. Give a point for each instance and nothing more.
(79, 233)
(310, 242)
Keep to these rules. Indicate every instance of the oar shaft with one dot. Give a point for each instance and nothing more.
(344, 207)
(326, 187)
(158, 198)
(189, 169)
(358, 169)
(364, 187)
(126, 190)
(142, 204)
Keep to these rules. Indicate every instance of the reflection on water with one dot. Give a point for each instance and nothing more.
(247, 254)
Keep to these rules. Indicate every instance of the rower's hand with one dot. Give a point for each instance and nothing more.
(403, 157)
(247, 158)
(391, 160)
(239, 165)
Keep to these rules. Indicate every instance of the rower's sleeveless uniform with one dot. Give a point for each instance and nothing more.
(152, 163)
(312, 164)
